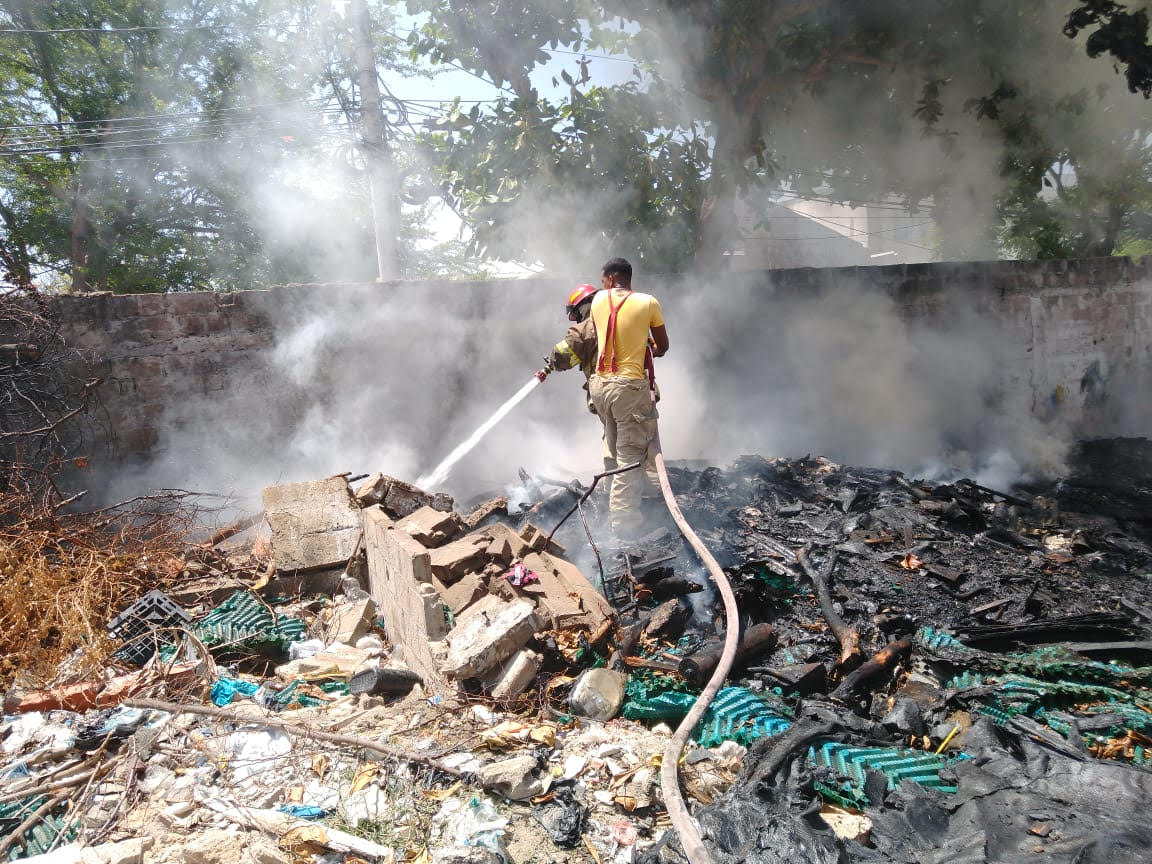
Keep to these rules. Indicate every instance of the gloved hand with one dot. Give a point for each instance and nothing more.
(543, 373)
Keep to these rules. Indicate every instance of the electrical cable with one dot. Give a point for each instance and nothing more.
(682, 820)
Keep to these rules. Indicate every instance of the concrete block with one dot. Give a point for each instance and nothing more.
(506, 546)
(435, 621)
(350, 621)
(485, 638)
(467, 555)
(514, 675)
(314, 524)
(462, 593)
(397, 567)
(372, 490)
(537, 540)
(533, 537)
(432, 527)
(514, 778)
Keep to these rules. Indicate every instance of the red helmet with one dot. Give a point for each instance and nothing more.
(578, 296)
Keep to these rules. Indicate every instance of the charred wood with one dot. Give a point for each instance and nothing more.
(881, 661)
(847, 636)
(668, 620)
(698, 667)
(675, 586)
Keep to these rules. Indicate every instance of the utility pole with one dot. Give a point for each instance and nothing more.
(381, 176)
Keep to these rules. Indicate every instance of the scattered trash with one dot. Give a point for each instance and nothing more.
(562, 817)
(520, 575)
(941, 671)
(474, 822)
(227, 689)
(598, 694)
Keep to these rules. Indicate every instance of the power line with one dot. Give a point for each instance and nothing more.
(860, 233)
(194, 137)
(170, 115)
(117, 135)
(403, 39)
(189, 28)
(888, 206)
(113, 31)
(838, 236)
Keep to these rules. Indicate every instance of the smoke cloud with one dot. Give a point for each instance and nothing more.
(362, 377)
(368, 377)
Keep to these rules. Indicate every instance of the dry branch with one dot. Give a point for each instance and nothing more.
(847, 636)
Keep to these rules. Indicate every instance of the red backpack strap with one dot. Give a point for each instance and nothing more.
(607, 362)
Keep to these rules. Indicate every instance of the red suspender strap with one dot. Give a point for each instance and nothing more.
(650, 368)
(607, 361)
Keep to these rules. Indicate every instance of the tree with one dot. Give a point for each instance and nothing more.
(154, 145)
(858, 99)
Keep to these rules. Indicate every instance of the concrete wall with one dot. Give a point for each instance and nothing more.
(200, 378)
(156, 350)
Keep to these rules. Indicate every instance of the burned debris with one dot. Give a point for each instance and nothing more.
(925, 672)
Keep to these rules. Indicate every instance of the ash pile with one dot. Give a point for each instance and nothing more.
(927, 672)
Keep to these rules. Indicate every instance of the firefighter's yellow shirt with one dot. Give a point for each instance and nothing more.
(634, 319)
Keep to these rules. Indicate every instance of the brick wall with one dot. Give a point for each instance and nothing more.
(1069, 340)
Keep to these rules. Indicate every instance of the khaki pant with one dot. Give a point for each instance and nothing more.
(626, 407)
(651, 478)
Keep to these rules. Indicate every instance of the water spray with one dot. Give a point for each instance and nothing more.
(441, 472)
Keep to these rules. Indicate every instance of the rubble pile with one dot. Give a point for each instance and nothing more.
(927, 672)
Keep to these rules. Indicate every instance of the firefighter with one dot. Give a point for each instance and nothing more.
(630, 331)
(578, 349)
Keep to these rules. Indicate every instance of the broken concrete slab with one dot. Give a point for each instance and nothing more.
(498, 505)
(404, 499)
(372, 490)
(514, 675)
(397, 566)
(432, 527)
(399, 498)
(462, 593)
(130, 851)
(314, 525)
(485, 637)
(336, 660)
(350, 621)
(468, 554)
(564, 597)
(489, 605)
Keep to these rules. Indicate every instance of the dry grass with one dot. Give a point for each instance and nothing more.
(63, 576)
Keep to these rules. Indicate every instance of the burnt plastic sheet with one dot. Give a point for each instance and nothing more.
(1016, 807)
(1016, 802)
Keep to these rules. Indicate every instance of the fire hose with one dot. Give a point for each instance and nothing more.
(670, 764)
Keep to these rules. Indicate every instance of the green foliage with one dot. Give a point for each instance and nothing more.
(239, 173)
(595, 155)
(826, 99)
